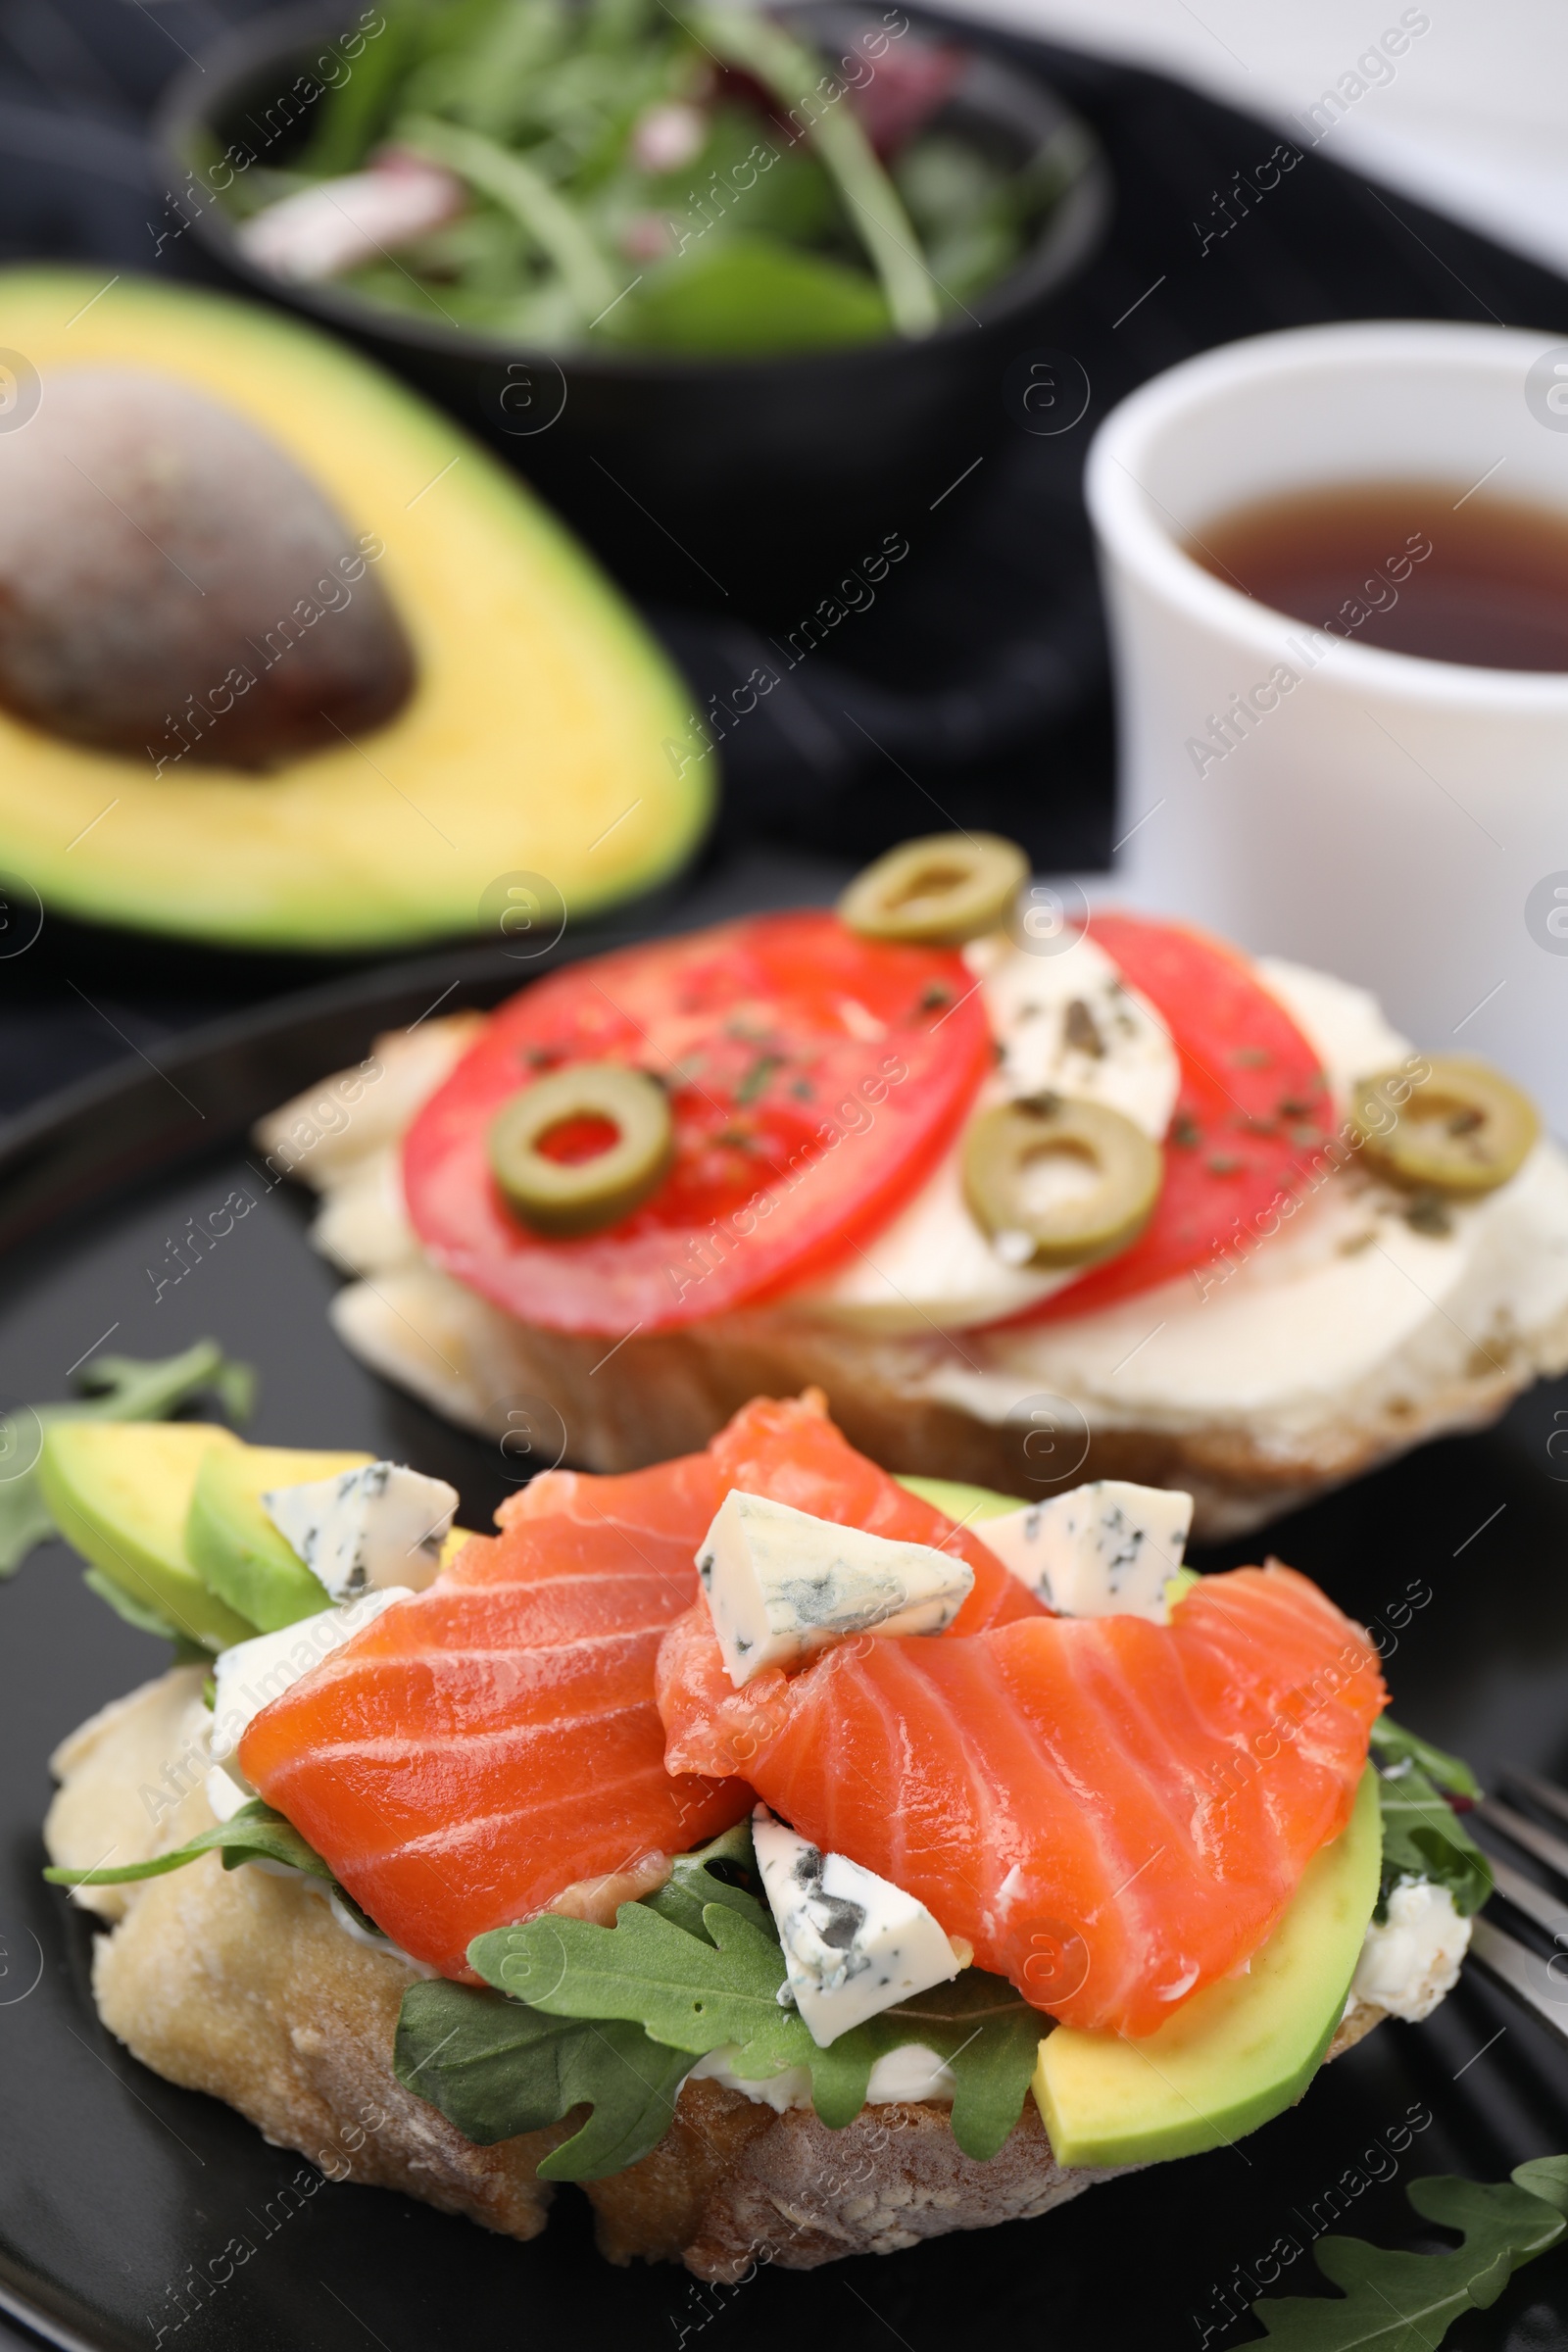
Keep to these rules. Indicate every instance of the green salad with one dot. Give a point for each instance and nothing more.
(578, 174)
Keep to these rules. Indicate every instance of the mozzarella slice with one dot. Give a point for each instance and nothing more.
(781, 1583)
(853, 1944)
(1340, 1306)
(1106, 1550)
(1065, 1023)
(252, 1674)
(366, 1530)
(1347, 1024)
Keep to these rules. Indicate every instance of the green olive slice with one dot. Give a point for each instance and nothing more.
(1057, 1181)
(937, 891)
(564, 1198)
(1463, 1129)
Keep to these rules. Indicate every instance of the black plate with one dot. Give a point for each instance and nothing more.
(133, 2215)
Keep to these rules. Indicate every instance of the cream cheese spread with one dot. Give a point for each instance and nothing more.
(902, 2077)
(1410, 1960)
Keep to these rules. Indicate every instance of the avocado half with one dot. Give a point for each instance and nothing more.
(533, 743)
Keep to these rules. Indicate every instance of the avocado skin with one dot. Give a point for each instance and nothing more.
(235, 1546)
(1238, 2052)
(118, 1492)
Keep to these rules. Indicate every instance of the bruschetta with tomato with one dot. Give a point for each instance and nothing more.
(1031, 1202)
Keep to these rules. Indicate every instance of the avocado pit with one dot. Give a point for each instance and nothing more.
(173, 586)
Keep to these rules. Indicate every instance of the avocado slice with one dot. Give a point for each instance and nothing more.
(235, 1546)
(119, 1491)
(1236, 2053)
(959, 1502)
(544, 761)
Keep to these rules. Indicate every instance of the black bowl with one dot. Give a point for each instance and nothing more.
(736, 483)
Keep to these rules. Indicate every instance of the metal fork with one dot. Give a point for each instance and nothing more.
(1541, 1983)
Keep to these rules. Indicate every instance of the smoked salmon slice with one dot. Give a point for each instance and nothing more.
(476, 1751)
(787, 1450)
(1113, 1813)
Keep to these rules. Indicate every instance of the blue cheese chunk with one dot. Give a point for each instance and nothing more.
(853, 1944)
(366, 1530)
(781, 1583)
(1103, 1550)
(249, 1675)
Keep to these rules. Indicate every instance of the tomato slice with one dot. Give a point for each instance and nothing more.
(1250, 1114)
(816, 1078)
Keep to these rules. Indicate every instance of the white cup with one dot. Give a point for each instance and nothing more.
(1398, 821)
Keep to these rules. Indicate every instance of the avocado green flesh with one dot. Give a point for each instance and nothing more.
(234, 1544)
(959, 1502)
(1240, 2051)
(118, 1492)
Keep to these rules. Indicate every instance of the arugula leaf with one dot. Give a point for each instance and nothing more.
(693, 1883)
(689, 1993)
(700, 1993)
(615, 2018)
(513, 182)
(118, 1387)
(1393, 1744)
(130, 1388)
(255, 1830)
(495, 2068)
(1546, 2178)
(1423, 1838)
(1398, 2302)
(984, 2029)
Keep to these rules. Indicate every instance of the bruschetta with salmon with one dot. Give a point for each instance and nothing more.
(803, 1860)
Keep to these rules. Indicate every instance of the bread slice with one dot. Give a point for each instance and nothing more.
(242, 1983)
(671, 1392)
